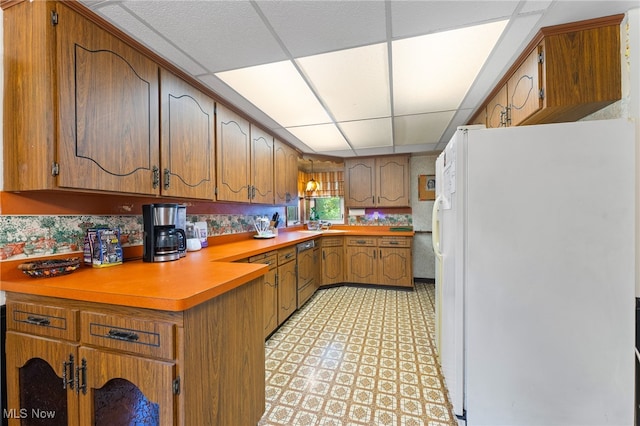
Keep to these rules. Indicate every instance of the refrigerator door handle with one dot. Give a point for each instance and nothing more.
(435, 227)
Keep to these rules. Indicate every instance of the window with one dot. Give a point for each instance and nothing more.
(330, 209)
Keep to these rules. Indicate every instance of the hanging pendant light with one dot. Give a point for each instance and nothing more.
(312, 185)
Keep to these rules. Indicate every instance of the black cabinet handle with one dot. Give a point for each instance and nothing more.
(127, 336)
(67, 379)
(44, 322)
(81, 377)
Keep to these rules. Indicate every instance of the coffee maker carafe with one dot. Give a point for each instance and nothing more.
(162, 240)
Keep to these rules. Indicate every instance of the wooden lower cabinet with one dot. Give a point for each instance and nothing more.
(287, 283)
(121, 365)
(395, 261)
(381, 261)
(332, 262)
(270, 290)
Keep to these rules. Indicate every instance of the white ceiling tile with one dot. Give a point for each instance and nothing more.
(412, 18)
(150, 37)
(434, 72)
(324, 137)
(278, 90)
(368, 133)
(352, 83)
(311, 27)
(421, 128)
(223, 35)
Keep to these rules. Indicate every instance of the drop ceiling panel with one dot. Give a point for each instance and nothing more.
(412, 18)
(434, 72)
(421, 128)
(352, 83)
(368, 133)
(149, 36)
(311, 27)
(280, 91)
(230, 34)
(324, 137)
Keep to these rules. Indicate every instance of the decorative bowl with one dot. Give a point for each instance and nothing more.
(50, 268)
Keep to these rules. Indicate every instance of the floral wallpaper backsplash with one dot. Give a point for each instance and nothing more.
(381, 219)
(38, 236)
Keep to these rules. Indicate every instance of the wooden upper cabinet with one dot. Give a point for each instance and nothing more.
(524, 89)
(81, 106)
(262, 171)
(108, 110)
(286, 173)
(360, 182)
(566, 73)
(377, 182)
(187, 140)
(496, 111)
(392, 181)
(233, 155)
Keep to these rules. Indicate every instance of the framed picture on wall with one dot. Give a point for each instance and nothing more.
(426, 187)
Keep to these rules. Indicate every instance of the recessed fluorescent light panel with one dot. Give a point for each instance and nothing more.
(434, 72)
(431, 76)
(323, 137)
(279, 90)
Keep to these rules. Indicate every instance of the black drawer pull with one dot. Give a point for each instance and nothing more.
(128, 336)
(394, 242)
(361, 242)
(44, 322)
(288, 255)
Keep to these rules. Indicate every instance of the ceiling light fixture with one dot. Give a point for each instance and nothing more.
(312, 185)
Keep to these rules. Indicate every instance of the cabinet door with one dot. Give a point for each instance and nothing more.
(497, 109)
(524, 89)
(332, 265)
(262, 172)
(392, 181)
(362, 265)
(187, 140)
(287, 291)
(360, 182)
(286, 173)
(124, 389)
(395, 267)
(40, 385)
(232, 155)
(109, 109)
(270, 294)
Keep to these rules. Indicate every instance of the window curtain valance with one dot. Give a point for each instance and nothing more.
(330, 184)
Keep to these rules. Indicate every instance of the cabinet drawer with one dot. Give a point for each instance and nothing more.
(270, 258)
(145, 337)
(362, 241)
(286, 254)
(394, 242)
(332, 241)
(51, 321)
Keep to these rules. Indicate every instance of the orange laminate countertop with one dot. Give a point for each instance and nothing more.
(169, 286)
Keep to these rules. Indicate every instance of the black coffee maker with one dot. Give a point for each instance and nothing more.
(162, 240)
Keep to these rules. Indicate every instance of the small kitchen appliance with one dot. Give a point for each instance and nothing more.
(162, 239)
(181, 223)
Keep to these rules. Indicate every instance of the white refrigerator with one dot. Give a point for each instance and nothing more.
(535, 240)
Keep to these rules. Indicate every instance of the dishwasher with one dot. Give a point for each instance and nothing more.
(308, 269)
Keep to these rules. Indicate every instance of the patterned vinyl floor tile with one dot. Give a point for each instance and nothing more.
(358, 356)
